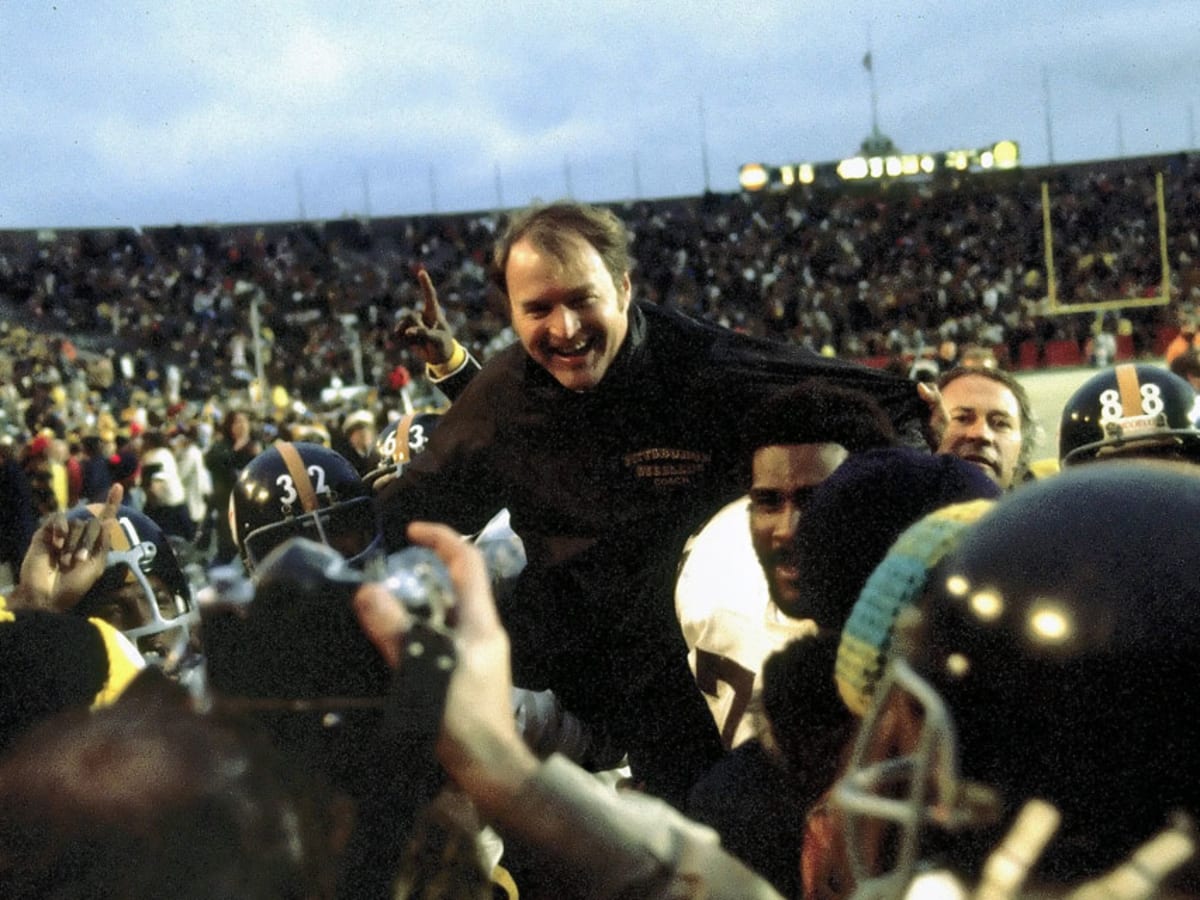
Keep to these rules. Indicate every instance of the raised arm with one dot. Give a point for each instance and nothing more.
(603, 843)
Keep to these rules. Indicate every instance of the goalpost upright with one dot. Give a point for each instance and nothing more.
(1054, 308)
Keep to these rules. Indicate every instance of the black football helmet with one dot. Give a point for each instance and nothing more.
(400, 441)
(143, 592)
(1056, 656)
(302, 490)
(1130, 409)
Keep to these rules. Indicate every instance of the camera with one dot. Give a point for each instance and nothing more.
(286, 650)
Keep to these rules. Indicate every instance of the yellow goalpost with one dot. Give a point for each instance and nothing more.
(1055, 308)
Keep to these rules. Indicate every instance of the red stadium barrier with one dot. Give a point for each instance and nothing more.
(1062, 353)
(1028, 355)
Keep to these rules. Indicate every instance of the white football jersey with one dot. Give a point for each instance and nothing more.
(728, 620)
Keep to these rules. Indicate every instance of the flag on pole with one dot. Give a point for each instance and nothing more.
(867, 61)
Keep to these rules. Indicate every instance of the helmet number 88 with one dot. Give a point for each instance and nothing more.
(1110, 402)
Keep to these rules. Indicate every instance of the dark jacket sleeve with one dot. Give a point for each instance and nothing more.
(454, 383)
(741, 370)
(453, 481)
(779, 365)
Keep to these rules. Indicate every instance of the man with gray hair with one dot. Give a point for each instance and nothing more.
(983, 415)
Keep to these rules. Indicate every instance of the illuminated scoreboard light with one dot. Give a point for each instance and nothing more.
(1001, 155)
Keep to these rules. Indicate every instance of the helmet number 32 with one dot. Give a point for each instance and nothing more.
(288, 486)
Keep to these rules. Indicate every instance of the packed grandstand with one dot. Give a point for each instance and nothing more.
(872, 272)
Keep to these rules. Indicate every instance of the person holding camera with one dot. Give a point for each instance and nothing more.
(598, 842)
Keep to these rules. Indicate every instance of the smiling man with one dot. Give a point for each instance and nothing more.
(569, 311)
(611, 431)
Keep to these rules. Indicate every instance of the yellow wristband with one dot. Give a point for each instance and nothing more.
(457, 357)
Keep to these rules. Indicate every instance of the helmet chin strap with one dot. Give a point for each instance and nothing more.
(1010, 863)
(1141, 875)
(403, 452)
(1138, 877)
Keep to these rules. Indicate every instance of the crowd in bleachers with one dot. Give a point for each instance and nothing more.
(111, 329)
(866, 272)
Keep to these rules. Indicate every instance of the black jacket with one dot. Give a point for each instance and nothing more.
(648, 454)
(604, 487)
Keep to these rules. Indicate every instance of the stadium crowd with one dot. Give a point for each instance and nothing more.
(864, 272)
(912, 659)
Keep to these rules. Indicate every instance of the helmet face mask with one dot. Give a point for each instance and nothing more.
(347, 527)
(1056, 658)
(143, 592)
(904, 780)
(165, 610)
(302, 490)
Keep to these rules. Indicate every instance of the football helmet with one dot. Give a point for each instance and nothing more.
(399, 442)
(143, 592)
(302, 490)
(1130, 409)
(1055, 656)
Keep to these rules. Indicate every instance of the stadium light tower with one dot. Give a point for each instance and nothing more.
(876, 143)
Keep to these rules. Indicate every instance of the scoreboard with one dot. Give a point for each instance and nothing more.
(759, 176)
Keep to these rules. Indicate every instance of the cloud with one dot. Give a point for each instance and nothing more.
(247, 110)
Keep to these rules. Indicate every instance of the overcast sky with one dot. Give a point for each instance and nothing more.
(184, 111)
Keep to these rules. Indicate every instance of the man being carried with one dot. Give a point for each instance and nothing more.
(610, 431)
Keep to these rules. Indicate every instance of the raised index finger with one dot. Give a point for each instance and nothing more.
(431, 311)
(112, 502)
(89, 537)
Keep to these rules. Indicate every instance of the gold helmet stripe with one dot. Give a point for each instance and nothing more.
(403, 453)
(295, 467)
(1131, 390)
